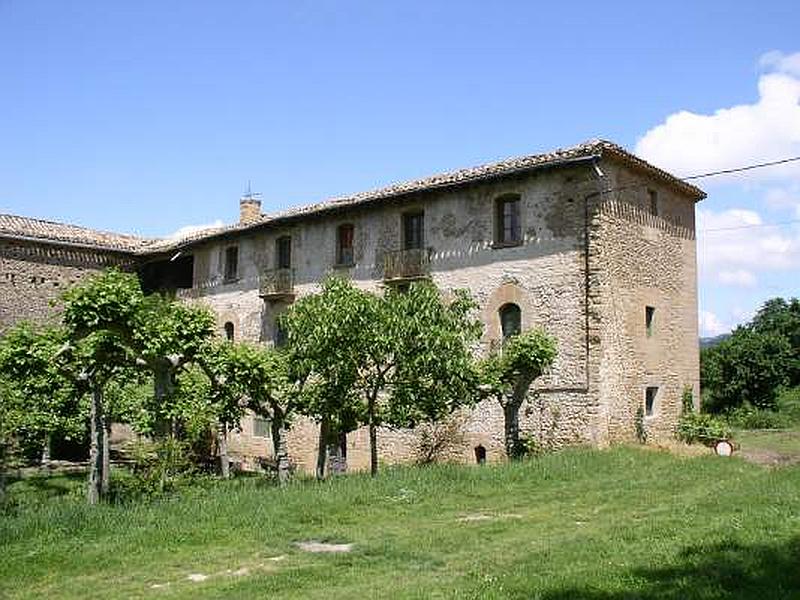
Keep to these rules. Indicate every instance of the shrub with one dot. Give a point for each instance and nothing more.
(789, 405)
(750, 417)
(702, 427)
(159, 468)
(440, 441)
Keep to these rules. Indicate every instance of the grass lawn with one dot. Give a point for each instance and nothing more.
(770, 447)
(624, 523)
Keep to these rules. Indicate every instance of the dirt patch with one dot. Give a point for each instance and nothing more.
(477, 517)
(312, 546)
(769, 458)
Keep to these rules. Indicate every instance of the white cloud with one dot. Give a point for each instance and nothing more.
(689, 143)
(731, 243)
(738, 278)
(780, 62)
(188, 230)
(710, 325)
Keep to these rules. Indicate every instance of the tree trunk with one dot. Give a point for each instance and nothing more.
(96, 446)
(3, 451)
(511, 416)
(337, 453)
(222, 445)
(46, 450)
(373, 439)
(162, 386)
(105, 479)
(322, 447)
(280, 449)
(511, 426)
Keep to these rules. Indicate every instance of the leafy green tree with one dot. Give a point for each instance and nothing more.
(781, 317)
(509, 374)
(263, 375)
(325, 334)
(47, 401)
(397, 359)
(424, 364)
(746, 368)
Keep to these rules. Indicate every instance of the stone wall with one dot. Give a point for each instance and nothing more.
(545, 276)
(641, 259)
(34, 275)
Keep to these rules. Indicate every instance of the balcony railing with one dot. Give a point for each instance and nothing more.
(276, 283)
(407, 264)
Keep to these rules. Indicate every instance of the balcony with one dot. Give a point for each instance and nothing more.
(400, 265)
(276, 284)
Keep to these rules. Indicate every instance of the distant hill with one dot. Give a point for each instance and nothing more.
(707, 342)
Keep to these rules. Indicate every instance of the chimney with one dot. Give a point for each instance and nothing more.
(249, 207)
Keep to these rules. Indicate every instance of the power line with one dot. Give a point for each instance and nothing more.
(744, 168)
(753, 226)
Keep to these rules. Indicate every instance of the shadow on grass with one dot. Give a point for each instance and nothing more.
(729, 571)
(46, 485)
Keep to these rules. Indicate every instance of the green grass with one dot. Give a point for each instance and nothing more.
(784, 442)
(625, 523)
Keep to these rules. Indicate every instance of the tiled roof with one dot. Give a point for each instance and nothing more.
(586, 151)
(14, 226)
(23, 227)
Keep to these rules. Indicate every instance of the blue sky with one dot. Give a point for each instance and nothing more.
(148, 116)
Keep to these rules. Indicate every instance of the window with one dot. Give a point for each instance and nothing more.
(231, 263)
(229, 331)
(508, 228)
(413, 229)
(260, 427)
(649, 317)
(480, 455)
(653, 198)
(283, 252)
(650, 400)
(279, 337)
(510, 320)
(344, 244)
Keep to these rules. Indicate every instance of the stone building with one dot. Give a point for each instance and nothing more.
(591, 243)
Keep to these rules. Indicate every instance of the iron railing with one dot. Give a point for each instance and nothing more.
(276, 283)
(414, 263)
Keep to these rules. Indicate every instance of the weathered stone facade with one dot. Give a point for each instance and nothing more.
(603, 237)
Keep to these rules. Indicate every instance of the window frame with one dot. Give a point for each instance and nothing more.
(653, 202)
(501, 216)
(230, 331)
(649, 321)
(343, 259)
(651, 393)
(507, 309)
(231, 264)
(283, 249)
(265, 423)
(416, 241)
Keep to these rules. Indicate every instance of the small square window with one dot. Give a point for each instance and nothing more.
(231, 263)
(653, 197)
(261, 427)
(649, 319)
(650, 394)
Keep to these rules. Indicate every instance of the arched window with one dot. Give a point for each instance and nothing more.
(229, 331)
(510, 320)
(480, 455)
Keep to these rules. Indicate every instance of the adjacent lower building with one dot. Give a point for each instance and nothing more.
(590, 243)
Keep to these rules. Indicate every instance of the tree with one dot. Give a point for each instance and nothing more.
(99, 315)
(427, 370)
(747, 368)
(398, 359)
(263, 375)
(509, 374)
(781, 317)
(47, 401)
(325, 333)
